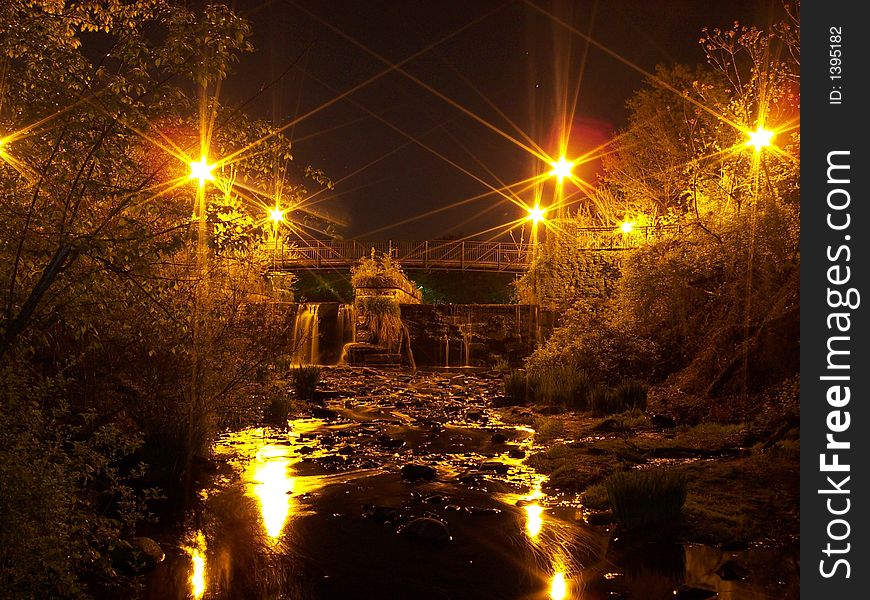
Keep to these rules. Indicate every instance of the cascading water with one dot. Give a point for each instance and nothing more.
(306, 335)
(346, 329)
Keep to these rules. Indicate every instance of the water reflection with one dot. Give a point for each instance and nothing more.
(534, 521)
(558, 587)
(272, 488)
(196, 552)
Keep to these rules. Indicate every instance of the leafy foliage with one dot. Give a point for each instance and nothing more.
(158, 338)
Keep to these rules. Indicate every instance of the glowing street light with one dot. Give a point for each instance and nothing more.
(561, 168)
(536, 214)
(760, 138)
(201, 170)
(276, 214)
(627, 226)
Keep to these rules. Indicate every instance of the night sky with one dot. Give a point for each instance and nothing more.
(509, 59)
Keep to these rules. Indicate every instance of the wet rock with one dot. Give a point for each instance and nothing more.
(470, 478)
(517, 453)
(731, 570)
(602, 517)
(478, 510)
(687, 592)
(305, 450)
(427, 530)
(323, 413)
(498, 438)
(734, 546)
(415, 472)
(150, 552)
(346, 450)
(385, 515)
(662, 421)
(390, 443)
(495, 466)
(434, 499)
(474, 415)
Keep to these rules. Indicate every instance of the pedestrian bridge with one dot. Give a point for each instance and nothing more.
(466, 255)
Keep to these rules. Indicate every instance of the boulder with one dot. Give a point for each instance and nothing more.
(427, 530)
(415, 472)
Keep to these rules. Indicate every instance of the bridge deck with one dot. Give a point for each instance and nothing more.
(469, 255)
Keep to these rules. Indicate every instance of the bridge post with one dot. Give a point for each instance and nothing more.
(426, 254)
(462, 255)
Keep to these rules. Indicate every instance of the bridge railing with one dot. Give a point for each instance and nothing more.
(462, 254)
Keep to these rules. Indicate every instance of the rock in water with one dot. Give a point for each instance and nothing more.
(731, 570)
(498, 438)
(687, 592)
(428, 530)
(414, 472)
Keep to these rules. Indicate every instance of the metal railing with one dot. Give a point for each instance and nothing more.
(468, 255)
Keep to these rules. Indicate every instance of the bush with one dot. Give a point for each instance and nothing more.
(516, 388)
(385, 319)
(643, 498)
(304, 381)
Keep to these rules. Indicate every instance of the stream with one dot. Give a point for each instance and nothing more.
(408, 486)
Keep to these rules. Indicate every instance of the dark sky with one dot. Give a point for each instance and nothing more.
(509, 59)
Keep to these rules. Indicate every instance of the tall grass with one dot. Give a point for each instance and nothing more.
(645, 498)
(629, 395)
(515, 386)
(561, 384)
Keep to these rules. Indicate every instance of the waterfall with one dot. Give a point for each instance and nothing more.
(346, 329)
(306, 335)
(466, 343)
(446, 350)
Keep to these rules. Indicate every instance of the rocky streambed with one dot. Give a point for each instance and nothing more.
(412, 486)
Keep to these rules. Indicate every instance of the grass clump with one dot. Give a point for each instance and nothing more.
(563, 384)
(515, 386)
(629, 395)
(646, 498)
(304, 381)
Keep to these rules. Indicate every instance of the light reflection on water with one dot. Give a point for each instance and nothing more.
(277, 476)
(558, 587)
(196, 552)
(272, 487)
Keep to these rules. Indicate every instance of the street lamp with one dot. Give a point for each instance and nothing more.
(561, 168)
(626, 226)
(760, 138)
(276, 215)
(536, 214)
(201, 171)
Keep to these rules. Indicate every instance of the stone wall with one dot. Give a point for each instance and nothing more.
(457, 335)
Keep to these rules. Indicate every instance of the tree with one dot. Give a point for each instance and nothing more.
(103, 104)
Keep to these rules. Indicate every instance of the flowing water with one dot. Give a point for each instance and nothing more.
(400, 491)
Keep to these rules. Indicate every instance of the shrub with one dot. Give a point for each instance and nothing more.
(304, 381)
(516, 387)
(642, 498)
(385, 319)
